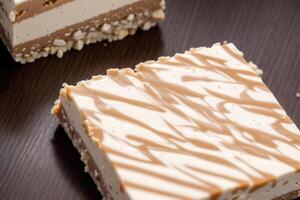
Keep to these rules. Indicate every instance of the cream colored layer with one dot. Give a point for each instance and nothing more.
(17, 2)
(199, 125)
(61, 17)
(108, 173)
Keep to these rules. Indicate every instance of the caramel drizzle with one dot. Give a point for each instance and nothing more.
(167, 95)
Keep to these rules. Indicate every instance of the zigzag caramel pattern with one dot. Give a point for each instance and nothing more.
(165, 89)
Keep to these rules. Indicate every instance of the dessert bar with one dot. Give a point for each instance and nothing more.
(36, 28)
(199, 125)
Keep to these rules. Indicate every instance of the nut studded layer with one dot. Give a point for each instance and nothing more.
(88, 32)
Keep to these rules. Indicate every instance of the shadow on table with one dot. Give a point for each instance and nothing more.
(7, 65)
(68, 161)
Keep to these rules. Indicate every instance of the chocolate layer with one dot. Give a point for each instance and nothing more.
(289, 196)
(31, 8)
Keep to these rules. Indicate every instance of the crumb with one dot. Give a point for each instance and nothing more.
(298, 94)
(259, 72)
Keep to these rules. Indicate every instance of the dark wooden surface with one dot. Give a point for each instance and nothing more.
(37, 160)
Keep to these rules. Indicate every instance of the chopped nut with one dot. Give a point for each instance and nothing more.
(18, 59)
(124, 22)
(259, 72)
(95, 174)
(253, 66)
(44, 54)
(78, 35)
(19, 55)
(163, 58)
(47, 49)
(53, 50)
(130, 17)
(30, 60)
(59, 42)
(163, 4)
(86, 169)
(116, 23)
(60, 53)
(70, 44)
(122, 34)
(158, 14)
(94, 35)
(79, 45)
(147, 26)
(12, 16)
(106, 28)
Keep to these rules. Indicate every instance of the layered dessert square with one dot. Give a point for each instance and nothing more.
(36, 28)
(199, 125)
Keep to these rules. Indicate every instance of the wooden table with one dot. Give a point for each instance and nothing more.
(38, 161)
